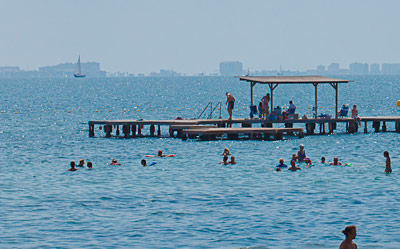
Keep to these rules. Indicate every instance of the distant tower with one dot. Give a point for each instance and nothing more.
(230, 68)
(375, 69)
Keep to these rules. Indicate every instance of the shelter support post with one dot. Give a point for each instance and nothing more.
(272, 87)
(316, 99)
(336, 87)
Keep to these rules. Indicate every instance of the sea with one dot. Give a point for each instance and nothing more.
(190, 200)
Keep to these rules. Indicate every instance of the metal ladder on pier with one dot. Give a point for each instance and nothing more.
(212, 110)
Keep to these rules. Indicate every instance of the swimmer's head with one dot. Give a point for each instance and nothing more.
(281, 161)
(82, 162)
(350, 231)
(335, 159)
(232, 158)
(114, 160)
(323, 159)
(143, 162)
(160, 152)
(386, 153)
(294, 156)
(301, 146)
(278, 169)
(307, 160)
(226, 93)
(90, 165)
(72, 164)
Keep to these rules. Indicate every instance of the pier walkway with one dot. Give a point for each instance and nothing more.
(248, 128)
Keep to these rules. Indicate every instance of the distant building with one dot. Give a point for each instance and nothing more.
(375, 69)
(359, 68)
(230, 68)
(321, 69)
(9, 69)
(333, 67)
(391, 68)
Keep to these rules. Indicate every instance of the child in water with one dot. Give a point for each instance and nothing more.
(388, 162)
(232, 160)
(226, 152)
(281, 164)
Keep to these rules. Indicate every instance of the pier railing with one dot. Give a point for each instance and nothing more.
(212, 110)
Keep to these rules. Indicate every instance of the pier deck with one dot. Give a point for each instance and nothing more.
(134, 128)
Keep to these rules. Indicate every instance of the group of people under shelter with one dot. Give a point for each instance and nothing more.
(263, 109)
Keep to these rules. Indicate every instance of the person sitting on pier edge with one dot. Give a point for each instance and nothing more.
(224, 160)
(354, 114)
(230, 100)
(335, 161)
(81, 163)
(115, 162)
(388, 168)
(293, 166)
(232, 160)
(72, 166)
(281, 163)
(89, 165)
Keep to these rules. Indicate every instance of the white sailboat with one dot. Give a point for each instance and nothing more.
(78, 73)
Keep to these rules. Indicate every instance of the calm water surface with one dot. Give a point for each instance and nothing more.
(188, 201)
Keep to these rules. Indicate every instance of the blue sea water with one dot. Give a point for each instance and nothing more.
(189, 201)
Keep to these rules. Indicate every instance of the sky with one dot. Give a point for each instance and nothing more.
(194, 36)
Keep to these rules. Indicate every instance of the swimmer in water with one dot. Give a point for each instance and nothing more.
(308, 162)
(388, 168)
(224, 160)
(226, 152)
(72, 167)
(323, 159)
(335, 161)
(232, 160)
(301, 154)
(281, 164)
(115, 162)
(351, 233)
(81, 163)
(278, 169)
(89, 165)
(144, 163)
(294, 167)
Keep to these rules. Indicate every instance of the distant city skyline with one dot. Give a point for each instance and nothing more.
(194, 36)
(226, 68)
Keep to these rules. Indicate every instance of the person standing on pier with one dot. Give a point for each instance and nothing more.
(265, 104)
(354, 114)
(230, 100)
(388, 162)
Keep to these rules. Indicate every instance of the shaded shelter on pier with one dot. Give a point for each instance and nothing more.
(274, 81)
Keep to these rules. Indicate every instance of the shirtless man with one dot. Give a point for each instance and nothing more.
(294, 167)
(388, 162)
(230, 100)
(335, 161)
(265, 104)
(351, 233)
(72, 167)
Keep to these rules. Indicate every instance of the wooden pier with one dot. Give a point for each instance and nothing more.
(207, 129)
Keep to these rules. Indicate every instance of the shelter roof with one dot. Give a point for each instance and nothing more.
(291, 79)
